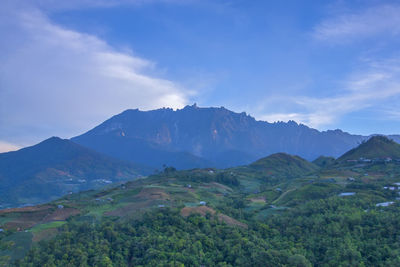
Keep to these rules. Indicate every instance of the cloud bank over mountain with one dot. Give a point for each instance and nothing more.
(60, 81)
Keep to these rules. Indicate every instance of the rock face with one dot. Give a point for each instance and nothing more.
(213, 137)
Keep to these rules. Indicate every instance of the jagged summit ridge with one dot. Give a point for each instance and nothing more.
(200, 136)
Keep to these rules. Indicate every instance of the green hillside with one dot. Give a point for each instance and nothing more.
(377, 147)
(284, 165)
(55, 167)
(280, 210)
(323, 161)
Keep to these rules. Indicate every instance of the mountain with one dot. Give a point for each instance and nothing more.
(198, 217)
(214, 137)
(125, 147)
(377, 147)
(55, 167)
(284, 165)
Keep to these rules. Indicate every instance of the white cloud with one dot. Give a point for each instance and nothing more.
(392, 114)
(55, 81)
(382, 19)
(6, 147)
(369, 88)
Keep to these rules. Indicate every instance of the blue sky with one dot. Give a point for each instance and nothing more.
(67, 66)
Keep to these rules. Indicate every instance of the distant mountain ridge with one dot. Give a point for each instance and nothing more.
(136, 143)
(55, 167)
(213, 137)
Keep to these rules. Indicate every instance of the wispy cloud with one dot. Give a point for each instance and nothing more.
(392, 112)
(374, 80)
(56, 81)
(78, 4)
(368, 88)
(372, 21)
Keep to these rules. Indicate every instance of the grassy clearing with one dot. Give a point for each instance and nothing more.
(45, 226)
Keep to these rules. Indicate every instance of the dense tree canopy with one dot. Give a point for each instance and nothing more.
(329, 232)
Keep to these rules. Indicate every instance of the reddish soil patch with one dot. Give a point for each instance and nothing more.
(258, 199)
(230, 221)
(60, 214)
(203, 210)
(19, 225)
(26, 209)
(27, 217)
